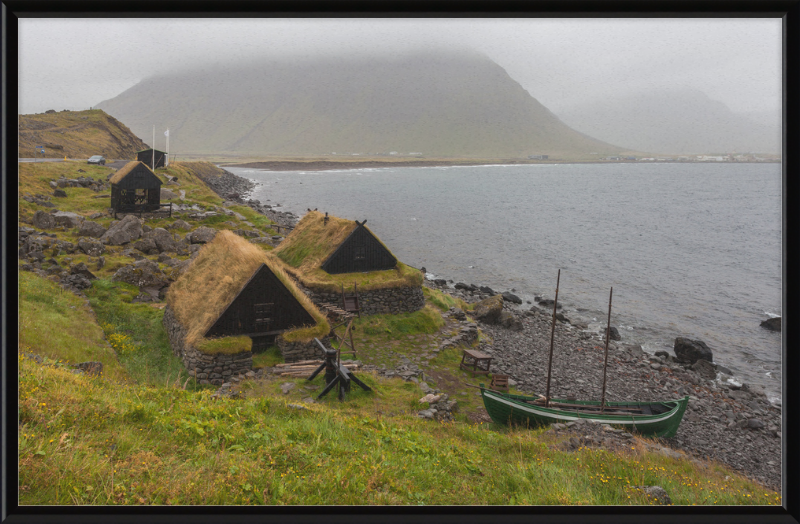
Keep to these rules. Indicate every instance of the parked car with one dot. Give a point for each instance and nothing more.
(97, 159)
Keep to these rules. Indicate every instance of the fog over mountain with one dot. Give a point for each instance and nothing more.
(675, 121)
(442, 103)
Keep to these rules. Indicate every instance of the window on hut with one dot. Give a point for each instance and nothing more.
(360, 253)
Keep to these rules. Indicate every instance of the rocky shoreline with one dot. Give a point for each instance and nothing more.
(732, 424)
(735, 425)
(328, 165)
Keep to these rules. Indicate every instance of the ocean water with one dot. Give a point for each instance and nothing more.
(691, 250)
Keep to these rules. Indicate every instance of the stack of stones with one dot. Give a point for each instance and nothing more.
(206, 368)
(297, 351)
(440, 407)
(467, 332)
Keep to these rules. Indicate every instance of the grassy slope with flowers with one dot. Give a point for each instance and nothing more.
(108, 440)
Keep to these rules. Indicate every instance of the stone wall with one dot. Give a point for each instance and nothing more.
(209, 369)
(390, 300)
(297, 351)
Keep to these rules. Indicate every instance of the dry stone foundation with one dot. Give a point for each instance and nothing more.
(207, 369)
(376, 301)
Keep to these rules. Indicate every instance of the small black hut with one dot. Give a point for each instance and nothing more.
(264, 306)
(146, 156)
(135, 188)
(360, 251)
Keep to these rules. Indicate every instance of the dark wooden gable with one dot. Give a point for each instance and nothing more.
(360, 251)
(264, 306)
(140, 177)
(146, 156)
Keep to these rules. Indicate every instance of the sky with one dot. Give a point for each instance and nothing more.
(74, 63)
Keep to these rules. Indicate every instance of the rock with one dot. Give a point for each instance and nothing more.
(143, 273)
(510, 297)
(43, 220)
(91, 229)
(488, 310)
(690, 351)
(662, 354)
(147, 246)
(466, 287)
(59, 193)
(286, 387)
(487, 290)
(78, 282)
(92, 249)
(427, 414)
(457, 313)
(124, 231)
(755, 423)
(657, 493)
(91, 368)
(773, 324)
(67, 219)
(613, 333)
(510, 321)
(81, 269)
(202, 235)
(430, 398)
(166, 194)
(164, 240)
(546, 302)
(705, 369)
(180, 224)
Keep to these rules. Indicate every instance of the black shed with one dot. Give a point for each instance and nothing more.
(146, 156)
(135, 188)
(360, 251)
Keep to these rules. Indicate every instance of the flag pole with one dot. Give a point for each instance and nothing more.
(167, 159)
(154, 148)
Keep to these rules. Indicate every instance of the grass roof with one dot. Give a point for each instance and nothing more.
(312, 241)
(124, 170)
(216, 276)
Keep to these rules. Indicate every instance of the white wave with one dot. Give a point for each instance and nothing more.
(771, 315)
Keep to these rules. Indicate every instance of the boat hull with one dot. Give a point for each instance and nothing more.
(508, 409)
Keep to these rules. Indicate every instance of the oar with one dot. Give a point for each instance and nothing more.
(605, 364)
(552, 334)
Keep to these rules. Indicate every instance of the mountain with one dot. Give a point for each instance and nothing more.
(77, 134)
(675, 121)
(442, 104)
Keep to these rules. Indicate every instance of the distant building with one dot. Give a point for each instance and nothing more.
(537, 157)
(146, 156)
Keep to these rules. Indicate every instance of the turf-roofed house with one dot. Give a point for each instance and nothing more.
(135, 188)
(152, 157)
(327, 254)
(235, 300)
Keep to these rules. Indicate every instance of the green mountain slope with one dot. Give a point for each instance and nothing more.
(77, 134)
(444, 104)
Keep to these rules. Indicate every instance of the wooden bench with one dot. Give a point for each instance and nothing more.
(499, 382)
(476, 358)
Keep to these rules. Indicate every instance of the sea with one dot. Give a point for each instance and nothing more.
(690, 249)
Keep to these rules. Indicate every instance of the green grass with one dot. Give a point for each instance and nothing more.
(225, 345)
(136, 332)
(55, 323)
(444, 301)
(90, 441)
(268, 358)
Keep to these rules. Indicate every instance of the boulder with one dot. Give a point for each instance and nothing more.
(91, 368)
(78, 282)
(92, 249)
(202, 235)
(613, 333)
(166, 194)
(180, 224)
(81, 269)
(43, 220)
(510, 297)
(705, 369)
(142, 273)
(656, 493)
(91, 229)
(163, 240)
(147, 246)
(690, 351)
(489, 309)
(67, 219)
(59, 193)
(487, 290)
(510, 321)
(773, 324)
(124, 231)
(546, 302)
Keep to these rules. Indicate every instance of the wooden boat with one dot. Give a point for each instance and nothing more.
(655, 419)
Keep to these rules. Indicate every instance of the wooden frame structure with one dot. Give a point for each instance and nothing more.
(335, 373)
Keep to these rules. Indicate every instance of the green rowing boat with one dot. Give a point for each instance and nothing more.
(654, 419)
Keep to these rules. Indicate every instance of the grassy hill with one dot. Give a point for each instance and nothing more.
(144, 433)
(442, 104)
(77, 134)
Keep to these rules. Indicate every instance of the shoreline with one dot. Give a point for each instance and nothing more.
(733, 423)
(330, 165)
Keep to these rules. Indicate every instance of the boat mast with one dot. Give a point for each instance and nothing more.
(605, 364)
(552, 334)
